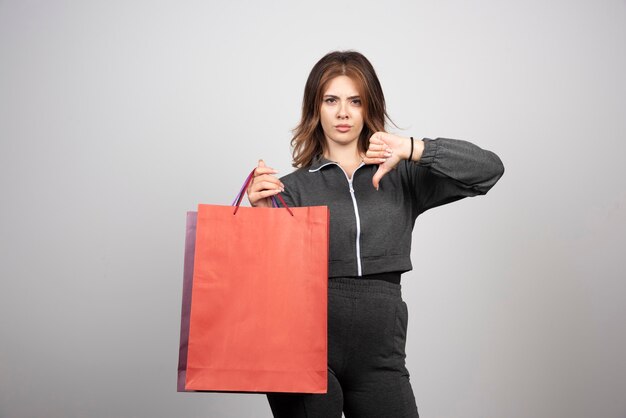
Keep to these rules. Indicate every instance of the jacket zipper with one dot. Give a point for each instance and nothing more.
(356, 214)
(358, 227)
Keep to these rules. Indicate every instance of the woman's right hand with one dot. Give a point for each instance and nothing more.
(263, 186)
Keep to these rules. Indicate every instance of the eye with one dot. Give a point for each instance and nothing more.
(356, 102)
(329, 100)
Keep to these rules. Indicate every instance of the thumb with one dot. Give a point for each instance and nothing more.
(382, 170)
(261, 163)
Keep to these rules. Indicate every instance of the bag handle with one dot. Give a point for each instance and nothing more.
(239, 196)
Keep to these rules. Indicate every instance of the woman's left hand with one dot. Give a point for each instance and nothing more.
(387, 150)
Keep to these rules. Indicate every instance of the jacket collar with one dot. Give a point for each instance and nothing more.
(318, 162)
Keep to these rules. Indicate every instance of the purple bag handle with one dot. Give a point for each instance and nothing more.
(239, 196)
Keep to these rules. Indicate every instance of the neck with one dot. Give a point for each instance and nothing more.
(347, 157)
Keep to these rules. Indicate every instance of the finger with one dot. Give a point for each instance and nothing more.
(267, 178)
(263, 169)
(378, 138)
(380, 173)
(375, 160)
(379, 155)
(374, 148)
(385, 153)
(267, 185)
(374, 139)
(265, 193)
(377, 147)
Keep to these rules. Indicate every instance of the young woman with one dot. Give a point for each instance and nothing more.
(375, 184)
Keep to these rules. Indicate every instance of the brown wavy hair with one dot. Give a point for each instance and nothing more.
(308, 137)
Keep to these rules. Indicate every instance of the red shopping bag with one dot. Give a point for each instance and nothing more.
(258, 320)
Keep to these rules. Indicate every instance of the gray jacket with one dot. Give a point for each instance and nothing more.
(370, 230)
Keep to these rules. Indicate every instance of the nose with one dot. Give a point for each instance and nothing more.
(342, 110)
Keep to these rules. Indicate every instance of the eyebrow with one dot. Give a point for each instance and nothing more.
(337, 97)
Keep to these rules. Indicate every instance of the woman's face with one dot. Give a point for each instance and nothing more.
(341, 114)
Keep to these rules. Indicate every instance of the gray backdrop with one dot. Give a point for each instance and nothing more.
(118, 117)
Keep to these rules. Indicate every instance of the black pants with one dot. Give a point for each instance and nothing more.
(367, 377)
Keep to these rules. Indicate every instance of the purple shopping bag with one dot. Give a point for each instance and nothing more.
(190, 249)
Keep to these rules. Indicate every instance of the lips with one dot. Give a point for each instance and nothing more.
(343, 128)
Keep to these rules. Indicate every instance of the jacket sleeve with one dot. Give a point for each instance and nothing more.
(288, 195)
(451, 169)
(287, 198)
